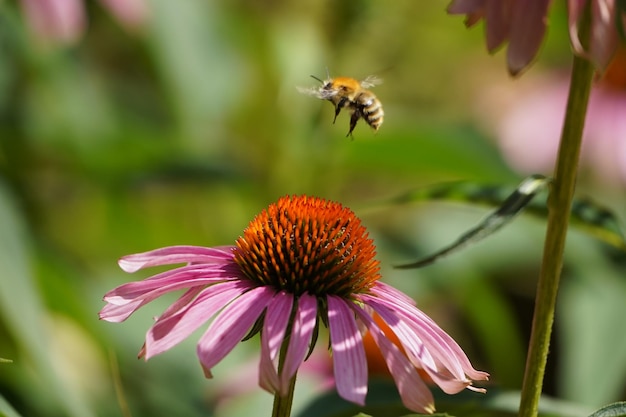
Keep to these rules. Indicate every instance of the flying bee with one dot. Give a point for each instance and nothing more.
(346, 92)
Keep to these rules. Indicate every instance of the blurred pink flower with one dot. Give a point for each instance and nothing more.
(529, 132)
(301, 262)
(523, 23)
(60, 21)
(64, 21)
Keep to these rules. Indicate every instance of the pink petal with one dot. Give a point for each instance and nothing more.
(528, 27)
(120, 305)
(172, 330)
(272, 337)
(349, 360)
(184, 277)
(413, 391)
(300, 338)
(231, 325)
(117, 313)
(176, 254)
(393, 293)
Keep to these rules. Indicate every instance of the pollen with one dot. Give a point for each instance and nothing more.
(308, 245)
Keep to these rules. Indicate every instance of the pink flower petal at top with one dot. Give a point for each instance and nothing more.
(604, 37)
(301, 262)
(523, 23)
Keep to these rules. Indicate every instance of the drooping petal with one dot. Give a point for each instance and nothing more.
(528, 27)
(465, 6)
(272, 337)
(300, 338)
(603, 41)
(175, 255)
(603, 38)
(231, 325)
(497, 22)
(413, 391)
(427, 345)
(575, 9)
(172, 330)
(438, 338)
(349, 362)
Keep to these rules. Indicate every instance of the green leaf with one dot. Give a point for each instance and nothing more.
(586, 215)
(383, 400)
(611, 410)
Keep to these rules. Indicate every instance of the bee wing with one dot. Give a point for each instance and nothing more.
(371, 81)
(317, 92)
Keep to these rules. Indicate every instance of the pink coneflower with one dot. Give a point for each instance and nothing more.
(301, 262)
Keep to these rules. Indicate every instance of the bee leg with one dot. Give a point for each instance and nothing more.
(341, 104)
(353, 119)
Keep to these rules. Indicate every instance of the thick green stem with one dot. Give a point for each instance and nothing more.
(282, 404)
(559, 204)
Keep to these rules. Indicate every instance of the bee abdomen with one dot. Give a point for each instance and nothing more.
(372, 110)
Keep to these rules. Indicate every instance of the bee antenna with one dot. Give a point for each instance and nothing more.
(314, 77)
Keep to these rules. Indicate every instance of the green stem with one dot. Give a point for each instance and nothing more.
(559, 204)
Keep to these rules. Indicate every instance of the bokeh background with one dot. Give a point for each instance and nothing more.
(179, 125)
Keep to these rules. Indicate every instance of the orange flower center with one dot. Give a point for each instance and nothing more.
(308, 245)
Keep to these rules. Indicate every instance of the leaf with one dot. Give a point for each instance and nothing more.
(586, 215)
(6, 410)
(505, 213)
(612, 410)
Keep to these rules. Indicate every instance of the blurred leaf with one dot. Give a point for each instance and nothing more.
(383, 400)
(611, 410)
(6, 410)
(22, 309)
(427, 151)
(590, 323)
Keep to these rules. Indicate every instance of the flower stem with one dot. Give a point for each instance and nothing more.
(282, 403)
(559, 205)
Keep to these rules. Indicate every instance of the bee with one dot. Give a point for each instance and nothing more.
(346, 92)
